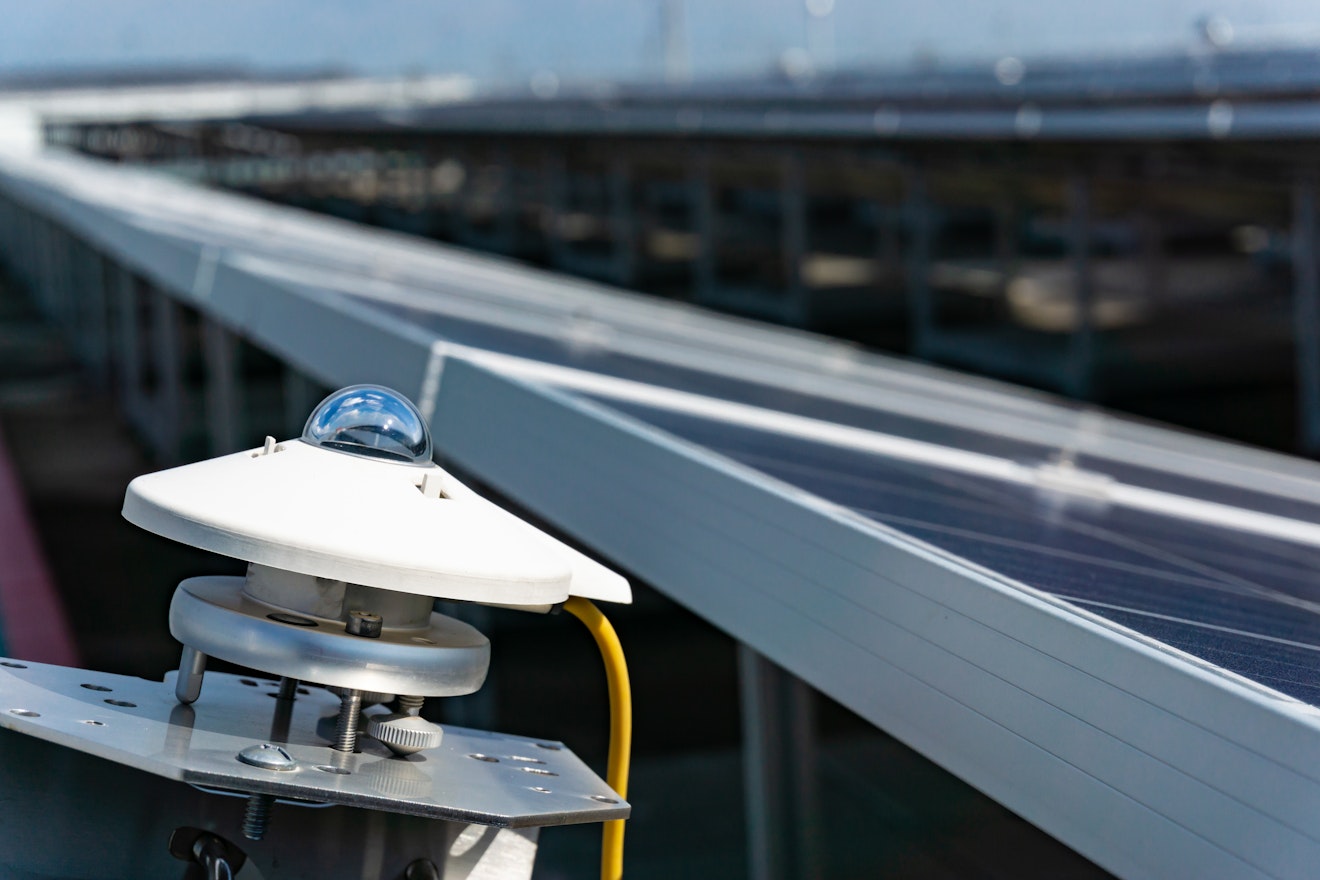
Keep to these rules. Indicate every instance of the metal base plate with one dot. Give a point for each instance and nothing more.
(82, 818)
(474, 776)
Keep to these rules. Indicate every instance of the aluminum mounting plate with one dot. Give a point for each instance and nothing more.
(474, 776)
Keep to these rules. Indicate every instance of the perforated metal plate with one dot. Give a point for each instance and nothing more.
(475, 777)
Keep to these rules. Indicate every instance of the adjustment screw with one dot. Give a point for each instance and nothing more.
(350, 707)
(405, 734)
(363, 623)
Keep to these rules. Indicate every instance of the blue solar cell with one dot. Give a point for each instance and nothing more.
(1252, 607)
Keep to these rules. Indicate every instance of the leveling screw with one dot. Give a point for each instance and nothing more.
(367, 626)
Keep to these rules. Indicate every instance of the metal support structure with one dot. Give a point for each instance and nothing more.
(1080, 364)
(921, 303)
(623, 223)
(46, 273)
(705, 226)
(128, 347)
(779, 771)
(1154, 256)
(889, 245)
(167, 355)
(224, 387)
(1306, 310)
(1007, 251)
(97, 330)
(793, 232)
(555, 186)
(506, 216)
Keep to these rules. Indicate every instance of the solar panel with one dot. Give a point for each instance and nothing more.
(1109, 627)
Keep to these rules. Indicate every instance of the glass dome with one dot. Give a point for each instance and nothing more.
(370, 421)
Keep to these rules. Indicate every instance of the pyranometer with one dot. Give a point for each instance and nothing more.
(351, 533)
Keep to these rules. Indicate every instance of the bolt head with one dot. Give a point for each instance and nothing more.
(268, 756)
(364, 623)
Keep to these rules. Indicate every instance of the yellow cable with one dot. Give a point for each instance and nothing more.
(616, 675)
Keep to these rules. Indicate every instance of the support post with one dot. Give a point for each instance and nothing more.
(167, 433)
(623, 222)
(506, 219)
(98, 317)
(779, 771)
(224, 387)
(554, 174)
(704, 224)
(889, 248)
(1006, 241)
(128, 347)
(921, 304)
(1306, 311)
(793, 234)
(1081, 345)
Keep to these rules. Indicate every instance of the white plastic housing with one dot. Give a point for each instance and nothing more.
(366, 521)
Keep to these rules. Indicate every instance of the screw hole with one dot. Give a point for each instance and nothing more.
(125, 703)
(540, 789)
(94, 723)
(26, 713)
(603, 799)
(247, 681)
(487, 758)
(304, 691)
(550, 746)
(538, 771)
(13, 665)
(336, 771)
(97, 687)
(525, 759)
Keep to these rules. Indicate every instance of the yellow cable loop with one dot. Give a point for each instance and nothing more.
(616, 675)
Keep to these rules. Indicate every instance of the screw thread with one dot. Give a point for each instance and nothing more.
(410, 705)
(288, 689)
(350, 706)
(256, 818)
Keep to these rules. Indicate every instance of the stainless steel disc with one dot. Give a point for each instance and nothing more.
(216, 617)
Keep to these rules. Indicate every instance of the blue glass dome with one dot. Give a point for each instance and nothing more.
(370, 421)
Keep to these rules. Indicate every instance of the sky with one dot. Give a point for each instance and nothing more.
(509, 41)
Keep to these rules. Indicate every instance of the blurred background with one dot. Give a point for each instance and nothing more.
(506, 42)
(1114, 203)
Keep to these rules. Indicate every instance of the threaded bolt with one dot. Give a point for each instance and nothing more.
(350, 706)
(256, 818)
(288, 689)
(410, 705)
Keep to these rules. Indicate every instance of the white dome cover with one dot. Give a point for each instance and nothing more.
(366, 521)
